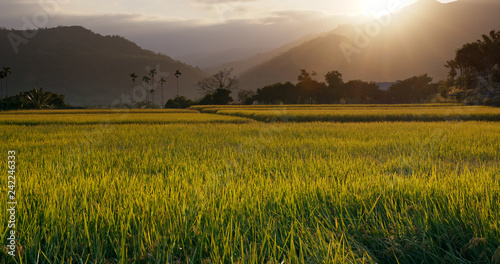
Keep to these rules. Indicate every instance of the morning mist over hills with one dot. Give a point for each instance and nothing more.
(92, 69)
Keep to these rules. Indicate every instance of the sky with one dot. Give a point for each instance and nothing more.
(182, 27)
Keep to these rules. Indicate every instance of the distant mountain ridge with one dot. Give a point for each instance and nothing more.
(91, 69)
(417, 39)
(212, 60)
(241, 66)
(88, 68)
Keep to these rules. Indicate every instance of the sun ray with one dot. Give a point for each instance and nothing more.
(381, 7)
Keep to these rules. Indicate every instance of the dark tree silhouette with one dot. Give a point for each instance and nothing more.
(177, 74)
(223, 79)
(222, 97)
(4, 73)
(134, 77)
(334, 79)
(417, 89)
(39, 99)
(218, 87)
(162, 81)
(285, 93)
(2, 76)
(146, 79)
(473, 74)
(152, 92)
(308, 88)
(333, 91)
(7, 72)
(152, 73)
(245, 96)
(179, 102)
(36, 99)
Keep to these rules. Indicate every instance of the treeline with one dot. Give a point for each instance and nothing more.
(34, 99)
(474, 73)
(219, 97)
(417, 89)
(473, 78)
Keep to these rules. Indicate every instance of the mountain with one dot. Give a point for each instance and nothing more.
(417, 39)
(210, 60)
(88, 68)
(241, 66)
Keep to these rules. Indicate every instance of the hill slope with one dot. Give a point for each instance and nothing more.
(88, 68)
(418, 39)
(241, 66)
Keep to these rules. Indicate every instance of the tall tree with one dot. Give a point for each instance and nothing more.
(218, 87)
(152, 97)
(475, 59)
(308, 87)
(2, 76)
(177, 74)
(223, 79)
(146, 80)
(222, 97)
(472, 73)
(152, 73)
(333, 91)
(162, 81)
(334, 79)
(7, 72)
(134, 77)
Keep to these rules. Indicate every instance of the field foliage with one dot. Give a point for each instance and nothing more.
(357, 113)
(92, 117)
(223, 189)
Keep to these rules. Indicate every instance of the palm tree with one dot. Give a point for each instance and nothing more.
(177, 74)
(7, 72)
(152, 73)
(146, 79)
(162, 81)
(2, 76)
(153, 97)
(133, 76)
(489, 46)
(38, 98)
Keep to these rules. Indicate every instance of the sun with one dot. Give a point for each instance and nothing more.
(380, 7)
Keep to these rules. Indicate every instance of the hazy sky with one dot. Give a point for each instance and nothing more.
(178, 27)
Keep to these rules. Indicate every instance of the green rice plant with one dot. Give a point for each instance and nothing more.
(149, 191)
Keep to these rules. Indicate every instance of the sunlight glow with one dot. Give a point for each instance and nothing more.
(382, 7)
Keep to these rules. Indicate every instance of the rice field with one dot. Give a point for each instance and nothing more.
(357, 113)
(143, 186)
(93, 117)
